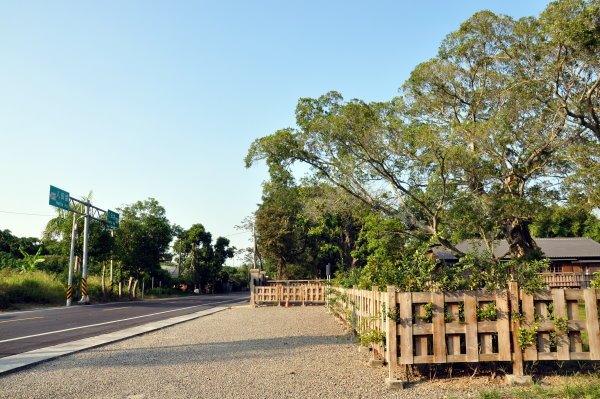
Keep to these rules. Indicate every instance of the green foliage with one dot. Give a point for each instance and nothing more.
(371, 336)
(527, 336)
(487, 312)
(574, 221)
(143, 237)
(427, 316)
(35, 287)
(7, 261)
(393, 314)
(30, 262)
(205, 260)
(482, 138)
(517, 316)
(596, 281)
(562, 324)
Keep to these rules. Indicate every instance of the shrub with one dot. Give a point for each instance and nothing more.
(35, 287)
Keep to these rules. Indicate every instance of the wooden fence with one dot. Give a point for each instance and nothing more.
(475, 326)
(567, 280)
(278, 294)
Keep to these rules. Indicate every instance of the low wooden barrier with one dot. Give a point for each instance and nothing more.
(567, 280)
(475, 326)
(279, 294)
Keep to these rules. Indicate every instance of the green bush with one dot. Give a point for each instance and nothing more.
(36, 287)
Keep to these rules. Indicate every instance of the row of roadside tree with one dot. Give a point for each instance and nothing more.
(133, 254)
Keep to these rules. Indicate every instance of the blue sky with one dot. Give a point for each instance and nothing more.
(137, 99)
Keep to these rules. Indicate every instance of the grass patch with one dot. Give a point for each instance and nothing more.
(36, 287)
(578, 387)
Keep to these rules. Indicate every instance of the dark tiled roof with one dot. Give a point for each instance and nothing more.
(553, 248)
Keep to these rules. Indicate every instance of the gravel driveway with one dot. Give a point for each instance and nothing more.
(244, 352)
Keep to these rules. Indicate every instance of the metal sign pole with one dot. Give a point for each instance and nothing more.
(85, 299)
(62, 199)
(71, 260)
(112, 234)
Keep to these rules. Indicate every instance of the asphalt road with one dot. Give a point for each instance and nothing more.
(27, 330)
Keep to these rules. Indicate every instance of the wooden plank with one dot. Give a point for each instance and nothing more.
(575, 344)
(439, 328)
(562, 338)
(573, 295)
(543, 338)
(487, 326)
(421, 342)
(422, 328)
(547, 356)
(453, 340)
(580, 356)
(528, 310)
(544, 295)
(517, 357)
(455, 328)
(471, 328)
(486, 343)
(591, 318)
(489, 357)
(391, 335)
(406, 328)
(456, 358)
(421, 297)
(503, 327)
(425, 359)
(484, 296)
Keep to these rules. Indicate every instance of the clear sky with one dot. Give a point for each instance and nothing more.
(136, 99)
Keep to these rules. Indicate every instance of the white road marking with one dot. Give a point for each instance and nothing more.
(28, 318)
(112, 322)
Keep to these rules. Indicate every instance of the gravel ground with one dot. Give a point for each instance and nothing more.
(266, 352)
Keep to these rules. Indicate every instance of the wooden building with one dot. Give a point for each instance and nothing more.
(573, 261)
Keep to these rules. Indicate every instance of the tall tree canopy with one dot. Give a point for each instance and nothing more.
(143, 237)
(480, 139)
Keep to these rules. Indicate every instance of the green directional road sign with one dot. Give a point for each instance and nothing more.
(112, 219)
(59, 198)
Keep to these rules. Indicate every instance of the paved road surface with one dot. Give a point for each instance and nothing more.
(24, 331)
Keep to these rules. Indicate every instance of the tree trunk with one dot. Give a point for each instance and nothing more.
(281, 268)
(520, 242)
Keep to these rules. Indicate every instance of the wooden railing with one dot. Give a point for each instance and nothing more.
(567, 280)
(475, 326)
(279, 294)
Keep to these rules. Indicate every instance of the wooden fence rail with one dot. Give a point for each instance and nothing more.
(475, 326)
(279, 294)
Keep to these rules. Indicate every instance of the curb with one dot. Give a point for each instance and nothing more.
(14, 363)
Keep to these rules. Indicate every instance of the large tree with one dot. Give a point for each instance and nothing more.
(143, 237)
(477, 143)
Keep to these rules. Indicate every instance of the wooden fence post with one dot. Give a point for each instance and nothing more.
(515, 324)
(591, 318)
(471, 337)
(560, 310)
(391, 335)
(439, 328)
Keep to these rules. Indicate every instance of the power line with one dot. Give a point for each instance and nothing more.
(235, 234)
(24, 213)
